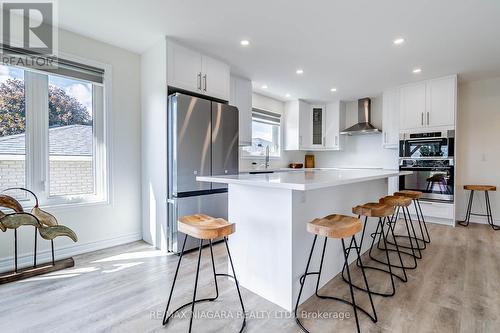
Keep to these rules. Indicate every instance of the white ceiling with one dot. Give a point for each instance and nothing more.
(344, 44)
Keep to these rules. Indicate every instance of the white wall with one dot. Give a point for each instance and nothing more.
(100, 225)
(478, 135)
(360, 150)
(270, 104)
(154, 141)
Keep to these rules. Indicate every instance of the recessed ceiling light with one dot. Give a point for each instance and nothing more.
(299, 71)
(399, 41)
(264, 86)
(244, 42)
(333, 89)
(417, 70)
(288, 95)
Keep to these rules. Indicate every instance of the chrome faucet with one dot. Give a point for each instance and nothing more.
(267, 157)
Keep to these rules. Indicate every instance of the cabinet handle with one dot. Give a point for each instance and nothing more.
(427, 118)
(199, 81)
(205, 82)
(385, 137)
(336, 140)
(422, 118)
(324, 141)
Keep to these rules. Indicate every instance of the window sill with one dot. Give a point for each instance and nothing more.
(62, 205)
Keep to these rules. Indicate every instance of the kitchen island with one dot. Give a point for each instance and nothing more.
(271, 244)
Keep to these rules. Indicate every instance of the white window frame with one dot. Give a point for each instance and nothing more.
(37, 139)
(247, 156)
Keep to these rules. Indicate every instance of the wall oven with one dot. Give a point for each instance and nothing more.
(430, 158)
(432, 145)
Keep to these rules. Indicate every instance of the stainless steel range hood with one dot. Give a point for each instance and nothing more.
(364, 117)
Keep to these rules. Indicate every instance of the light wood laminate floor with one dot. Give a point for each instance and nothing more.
(456, 288)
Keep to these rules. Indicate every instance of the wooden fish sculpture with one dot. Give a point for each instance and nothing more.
(15, 220)
(9, 202)
(49, 233)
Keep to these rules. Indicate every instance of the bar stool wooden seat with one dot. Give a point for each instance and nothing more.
(415, 196)
(401, 203)
(489, 215)
(204, 227)
(382, 212)
(337, 227)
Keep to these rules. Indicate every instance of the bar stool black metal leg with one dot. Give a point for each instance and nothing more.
(15, 250)
(53, 253)
(34, 253)
(423, 220)
(321, 266)
(358, 251)
(237, 286)
(213, 269)
(489, 213)
(195, 285)
(302, 281)
(165, 319)
(417, 247)
(465, 223)
(360, 264)
(419, 218)
(383, 234)
(410, 238)
(397, 250)
(346, 263)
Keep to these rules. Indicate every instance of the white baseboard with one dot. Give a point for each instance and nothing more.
(25, 260)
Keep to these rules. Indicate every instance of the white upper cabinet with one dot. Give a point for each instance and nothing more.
(184, 68)
(442, 98)
(215, 78)
(412, 106)
(241, 97)
(390, 118)
(192, 71)
(316, 124)
(333, 116)
(312, 127)
(296, 117)
(428, 104)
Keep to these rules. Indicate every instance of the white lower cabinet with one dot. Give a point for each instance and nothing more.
(241, 97)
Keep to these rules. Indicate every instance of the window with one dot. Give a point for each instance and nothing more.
(265, 134)
(12, 129)
(52, 137)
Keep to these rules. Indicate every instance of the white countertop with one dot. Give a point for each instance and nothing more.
(303, 180)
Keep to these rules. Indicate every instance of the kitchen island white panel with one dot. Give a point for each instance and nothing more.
(271, 244)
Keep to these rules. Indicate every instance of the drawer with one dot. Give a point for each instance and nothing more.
(436, 209)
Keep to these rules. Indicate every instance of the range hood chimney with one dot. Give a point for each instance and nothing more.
(364, 117)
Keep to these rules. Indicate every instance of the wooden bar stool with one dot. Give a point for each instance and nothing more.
(415, 196)
(401, 203)
(337, 227)
(204, 227)
(382, 212)
(489, 214)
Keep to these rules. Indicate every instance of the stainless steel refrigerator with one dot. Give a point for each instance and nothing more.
(202, 141)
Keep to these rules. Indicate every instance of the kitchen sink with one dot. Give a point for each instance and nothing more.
(260, 171)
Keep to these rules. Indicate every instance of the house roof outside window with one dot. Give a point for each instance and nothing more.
(72, 140)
